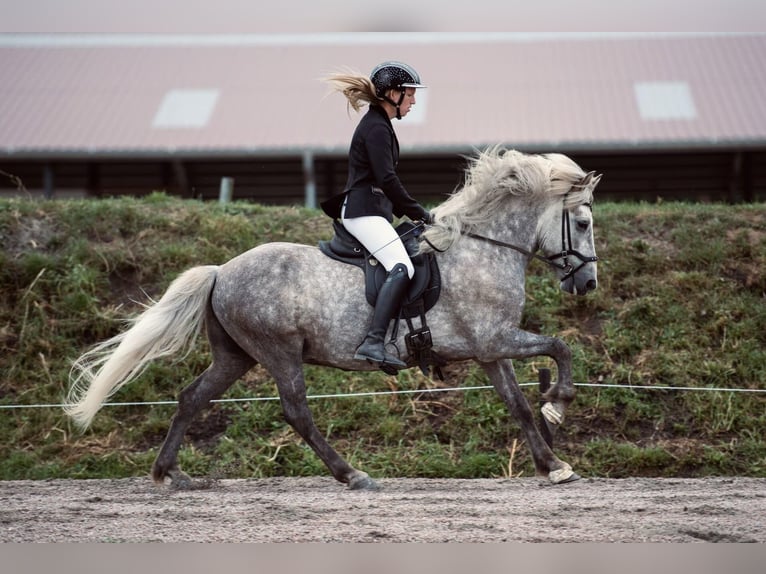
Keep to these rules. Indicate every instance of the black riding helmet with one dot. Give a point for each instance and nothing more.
(394, 76)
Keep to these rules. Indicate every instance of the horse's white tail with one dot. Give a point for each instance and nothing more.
(167, 327)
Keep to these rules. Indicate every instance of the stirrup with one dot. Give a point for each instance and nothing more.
(388, 361)
(388, 364)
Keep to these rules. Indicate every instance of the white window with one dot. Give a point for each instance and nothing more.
(665, 101)
(185, 109)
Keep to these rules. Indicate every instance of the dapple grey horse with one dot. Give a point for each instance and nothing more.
(279, 305)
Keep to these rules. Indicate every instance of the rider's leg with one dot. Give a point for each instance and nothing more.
(373, 348)
(381, 240)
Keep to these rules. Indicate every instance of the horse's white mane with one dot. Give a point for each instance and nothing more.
(496, 176)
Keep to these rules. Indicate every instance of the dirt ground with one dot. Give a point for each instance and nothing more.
(318, 509)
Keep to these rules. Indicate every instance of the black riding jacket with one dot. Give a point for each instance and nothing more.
(373, 188)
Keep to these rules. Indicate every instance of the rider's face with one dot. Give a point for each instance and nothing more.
(407, 102)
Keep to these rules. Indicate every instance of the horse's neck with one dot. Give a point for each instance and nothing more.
(499, 270)
(516, 225)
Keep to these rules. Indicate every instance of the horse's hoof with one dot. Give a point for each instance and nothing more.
(572, 478)
(553, 413)
(563, 475)
(179, 480)
(362, 481)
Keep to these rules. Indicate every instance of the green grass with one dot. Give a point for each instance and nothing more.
(681, 303)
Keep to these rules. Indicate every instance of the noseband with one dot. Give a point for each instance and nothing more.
(566, 248)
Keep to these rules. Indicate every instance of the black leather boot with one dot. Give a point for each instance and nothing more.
(387, 306)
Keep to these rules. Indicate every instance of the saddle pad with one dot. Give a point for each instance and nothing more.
(426, 283)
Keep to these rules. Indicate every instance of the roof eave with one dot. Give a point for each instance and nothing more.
(180, 154)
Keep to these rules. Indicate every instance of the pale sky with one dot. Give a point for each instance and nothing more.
(302, 16)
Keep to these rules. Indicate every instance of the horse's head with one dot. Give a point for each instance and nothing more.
(566, 235)
(550, 191)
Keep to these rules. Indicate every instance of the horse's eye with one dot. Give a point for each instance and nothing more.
(583, 224)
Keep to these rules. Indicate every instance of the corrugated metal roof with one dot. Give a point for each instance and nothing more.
(100, 95)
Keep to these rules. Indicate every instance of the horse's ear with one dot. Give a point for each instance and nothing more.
(585, 180)
(595, 180)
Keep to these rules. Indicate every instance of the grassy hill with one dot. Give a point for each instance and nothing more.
(681, 304)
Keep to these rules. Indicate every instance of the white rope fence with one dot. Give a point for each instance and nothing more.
(404, 392)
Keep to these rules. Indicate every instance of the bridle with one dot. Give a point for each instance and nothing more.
(564, 255)
(566, 247)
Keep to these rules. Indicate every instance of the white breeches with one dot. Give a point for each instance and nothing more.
(380, 239)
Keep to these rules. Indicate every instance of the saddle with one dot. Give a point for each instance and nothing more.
(422, 294)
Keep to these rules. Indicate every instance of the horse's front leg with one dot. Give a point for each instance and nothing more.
(561, 394)
(519, 344)
(503, 378)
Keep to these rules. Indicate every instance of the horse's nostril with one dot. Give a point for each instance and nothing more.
(591, 285)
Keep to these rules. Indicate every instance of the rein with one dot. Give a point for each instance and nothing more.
(566, 249)
(548, 260)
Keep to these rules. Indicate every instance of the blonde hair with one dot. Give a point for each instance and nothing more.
(357, 88)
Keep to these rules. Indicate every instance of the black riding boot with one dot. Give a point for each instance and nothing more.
(387, 306)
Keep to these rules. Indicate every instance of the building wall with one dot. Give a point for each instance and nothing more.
(699, 176)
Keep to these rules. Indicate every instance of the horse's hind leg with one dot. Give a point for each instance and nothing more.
(230, 362)
(288, 373)
(503, 378)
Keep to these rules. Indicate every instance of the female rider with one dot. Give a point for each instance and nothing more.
(373, 193)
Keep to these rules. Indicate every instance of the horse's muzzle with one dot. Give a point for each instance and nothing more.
(575, 287)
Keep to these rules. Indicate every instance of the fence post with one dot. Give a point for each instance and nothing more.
(310, 199)
(227, 190)
(49, 181)
(544, 379)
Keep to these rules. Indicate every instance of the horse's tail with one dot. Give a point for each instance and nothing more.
(167, 327)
